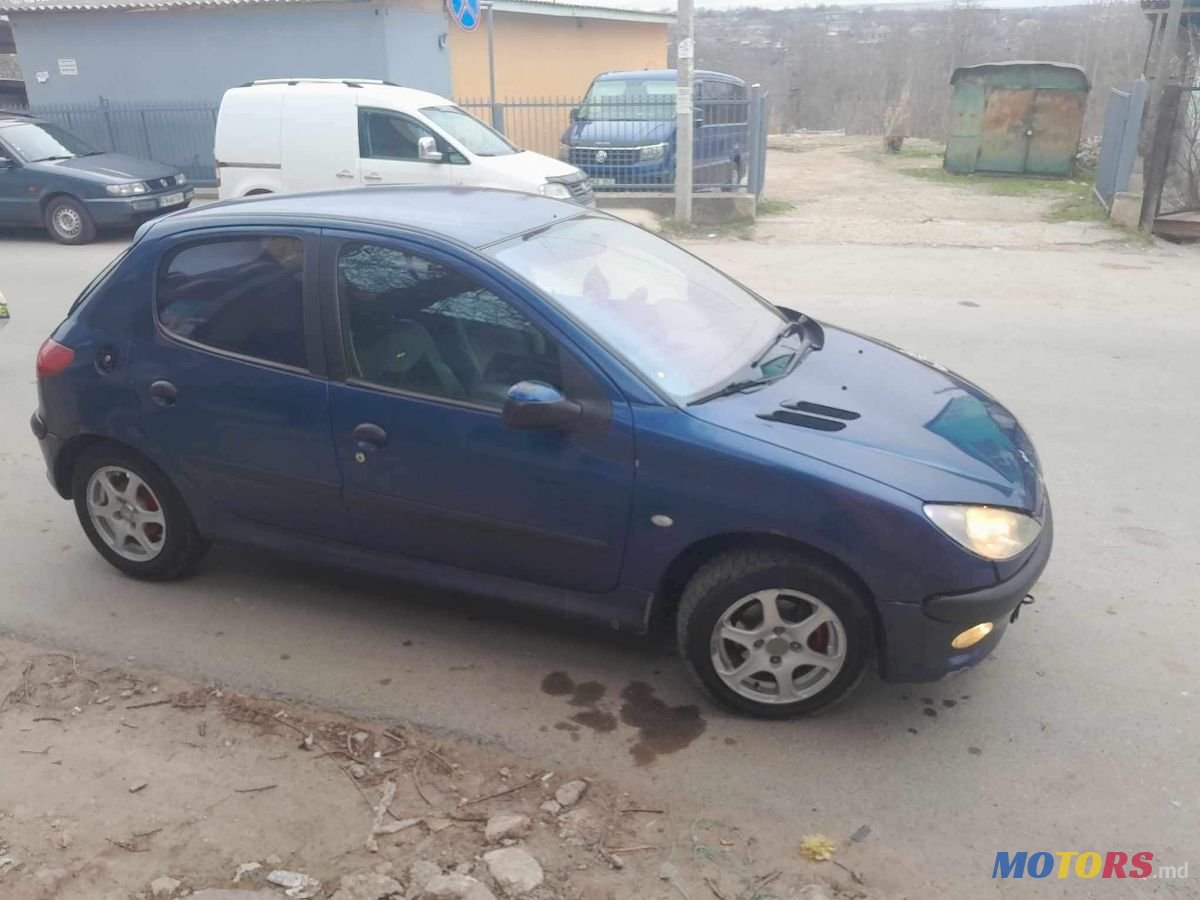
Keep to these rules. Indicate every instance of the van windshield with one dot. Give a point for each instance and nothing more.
(469, 131)
(629, 99)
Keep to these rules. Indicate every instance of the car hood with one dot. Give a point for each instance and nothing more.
(584, 133)
(527, 166)
(113, 168)
(893, 417)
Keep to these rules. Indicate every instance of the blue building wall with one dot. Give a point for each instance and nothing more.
(195, 54)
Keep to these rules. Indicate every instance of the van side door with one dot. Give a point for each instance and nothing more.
(389, 149)
(318, 137)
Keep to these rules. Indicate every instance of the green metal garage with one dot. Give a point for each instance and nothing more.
(1016, 118)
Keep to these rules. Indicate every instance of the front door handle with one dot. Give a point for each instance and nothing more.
(372, 176)
(369, 436)
(163, 393)
(345, 173)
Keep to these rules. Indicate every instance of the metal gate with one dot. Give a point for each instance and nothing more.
(1118, 147)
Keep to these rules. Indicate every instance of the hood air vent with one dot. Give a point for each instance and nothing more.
(811, 415)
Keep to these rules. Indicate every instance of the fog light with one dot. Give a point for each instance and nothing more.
(972, 636)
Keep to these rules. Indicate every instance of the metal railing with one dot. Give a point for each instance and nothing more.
(624, 145)
(627, 144)
(179, 134)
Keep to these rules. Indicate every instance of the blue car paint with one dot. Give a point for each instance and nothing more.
(491, 500)
(27, 186)
(715, 146)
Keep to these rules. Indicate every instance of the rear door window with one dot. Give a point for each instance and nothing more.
(240, 295)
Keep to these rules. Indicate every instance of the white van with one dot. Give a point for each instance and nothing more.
(309, 134)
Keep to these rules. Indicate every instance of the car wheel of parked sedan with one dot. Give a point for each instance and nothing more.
(69, 221)
(773, 634)
(133, 515)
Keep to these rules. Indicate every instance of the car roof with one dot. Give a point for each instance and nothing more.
(16, 118)
(666, 75)
(471, 216)
(365, 92)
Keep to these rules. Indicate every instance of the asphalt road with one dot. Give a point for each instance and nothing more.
(1082, 732)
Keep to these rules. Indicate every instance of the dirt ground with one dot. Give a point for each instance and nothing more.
(113, 778)
(846, 190)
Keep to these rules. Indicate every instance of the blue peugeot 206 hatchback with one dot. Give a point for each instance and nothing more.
(511, 395)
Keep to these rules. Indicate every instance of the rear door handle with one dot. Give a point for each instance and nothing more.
(372, 176)
(369, 436)
(163, 393)
(345, 173)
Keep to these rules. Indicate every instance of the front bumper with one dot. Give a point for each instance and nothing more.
(136, 209)
(917, 636)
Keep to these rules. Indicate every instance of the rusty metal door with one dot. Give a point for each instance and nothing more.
(1006, 125)
(1054, 132)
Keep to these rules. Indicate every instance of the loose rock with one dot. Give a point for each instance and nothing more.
(358, 770)
(245, 869)
(456, 887)
(164, 887)
(369, 886)
(505, 825)
(514, 869)
(299, 886)
(551, 806)
(421, 873)
(568, 794)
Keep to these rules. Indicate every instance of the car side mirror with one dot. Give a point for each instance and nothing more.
(575, 114)
(5, 162)
(427, 150)
(537, 405)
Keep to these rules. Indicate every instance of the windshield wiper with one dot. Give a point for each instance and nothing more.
(734, 387)
(791, 328)
(53, 158)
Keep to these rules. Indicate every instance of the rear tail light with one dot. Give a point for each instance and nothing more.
(52, 358)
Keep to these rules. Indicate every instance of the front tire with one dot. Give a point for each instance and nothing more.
(773, 634)
(69, 221)
(133, 515)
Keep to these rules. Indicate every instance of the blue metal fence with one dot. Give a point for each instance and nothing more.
(178, 134)
(1118, 147)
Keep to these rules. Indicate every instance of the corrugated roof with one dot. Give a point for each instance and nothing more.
(550, 7)
(1015, 63)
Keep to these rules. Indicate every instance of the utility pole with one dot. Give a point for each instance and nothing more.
(684, 113)
(491, 38)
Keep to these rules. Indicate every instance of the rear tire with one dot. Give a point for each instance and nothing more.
(751, 619)
(69, 221)
(133, 515)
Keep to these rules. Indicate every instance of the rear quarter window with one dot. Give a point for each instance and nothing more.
(242, 295)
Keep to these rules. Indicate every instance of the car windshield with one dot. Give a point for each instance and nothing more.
(469, 131)
(38, 141)
(629, 99)
(685, 326)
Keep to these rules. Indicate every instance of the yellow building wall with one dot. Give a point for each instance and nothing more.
(547, 57)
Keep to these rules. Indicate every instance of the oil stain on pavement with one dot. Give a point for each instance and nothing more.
(661, 728)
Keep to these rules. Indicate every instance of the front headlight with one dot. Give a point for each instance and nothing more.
(990, 531)
(128, 189)
(555, 190)
(180, 179)
(564, 152)
(654, 151)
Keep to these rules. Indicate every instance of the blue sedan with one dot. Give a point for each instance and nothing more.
(510, 395)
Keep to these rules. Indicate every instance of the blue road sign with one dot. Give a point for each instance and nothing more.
(465, 13)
